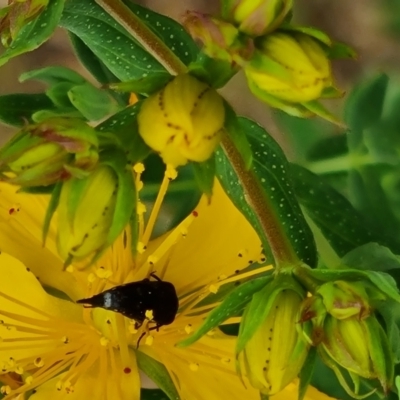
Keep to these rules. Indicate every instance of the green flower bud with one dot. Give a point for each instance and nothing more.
(360, 346)
(93, 211)
(42, 154)
(290, 67)
(343, 299)
(183, 121)
(219, 39)
(17, 14)
(256, 18)
(275, 352)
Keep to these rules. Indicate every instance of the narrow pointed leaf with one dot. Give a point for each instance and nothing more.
(306, 372)
(158, 374)
(234, 302)
(53, 75)
(51, 208)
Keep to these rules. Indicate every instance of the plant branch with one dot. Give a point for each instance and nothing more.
(144, 35)
(281, 248)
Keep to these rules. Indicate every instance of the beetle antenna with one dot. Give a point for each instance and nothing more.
(153, 274)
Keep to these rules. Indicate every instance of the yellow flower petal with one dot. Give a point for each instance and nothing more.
(219, 242)
(19, 283)
(93, 385)
(204, 371)
(21, 221)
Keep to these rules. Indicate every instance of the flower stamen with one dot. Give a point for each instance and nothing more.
(170, 174)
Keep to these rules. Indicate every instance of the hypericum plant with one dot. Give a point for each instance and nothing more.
(150, 177)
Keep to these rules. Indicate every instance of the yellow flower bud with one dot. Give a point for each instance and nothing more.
(292, 67)
(183, 121)
(85, 213)
(275, 354)
(360, 346)
(257, 17)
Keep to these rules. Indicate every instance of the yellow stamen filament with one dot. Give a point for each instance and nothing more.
(156, 207)
(167, 244)
(56, 353)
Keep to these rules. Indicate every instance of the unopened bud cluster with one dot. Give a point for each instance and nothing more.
(286, 66)
(282, 323)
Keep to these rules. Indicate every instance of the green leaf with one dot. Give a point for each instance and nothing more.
(373, 257)
(383, 281)
(390, 311)
(16, 109)
(169, 31)
(43, 115)
(51, 208)
(35, 32)
(108, 40)
(272, 172)
(125, 128)
(215, 72)
(341, 50)
(234, 302)
(329, 147)
(307, 371)
(53, 75)
(364, 108)
(90, 61)
(158, 374)
(369, 198)
(318, 109)
(204, 174)
(147, 85)
(58, 93)
(152, 394)
(334, 215)
(93, 103)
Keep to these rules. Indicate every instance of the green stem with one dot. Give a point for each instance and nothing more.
(144, 36)
(341, 163)
(280, 246)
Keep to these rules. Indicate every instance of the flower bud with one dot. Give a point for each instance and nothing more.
(183, 121)
(360, 346)
(17, 14)
(343, 299)
(219, 39)
(256, 18)
(83, 223)
(93, 211)
(42, 154)
(275, 354)
(289, 67)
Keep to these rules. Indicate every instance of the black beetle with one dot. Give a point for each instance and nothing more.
(135, 298)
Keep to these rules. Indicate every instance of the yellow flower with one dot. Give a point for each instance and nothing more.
(54, 346)
(183, 121)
